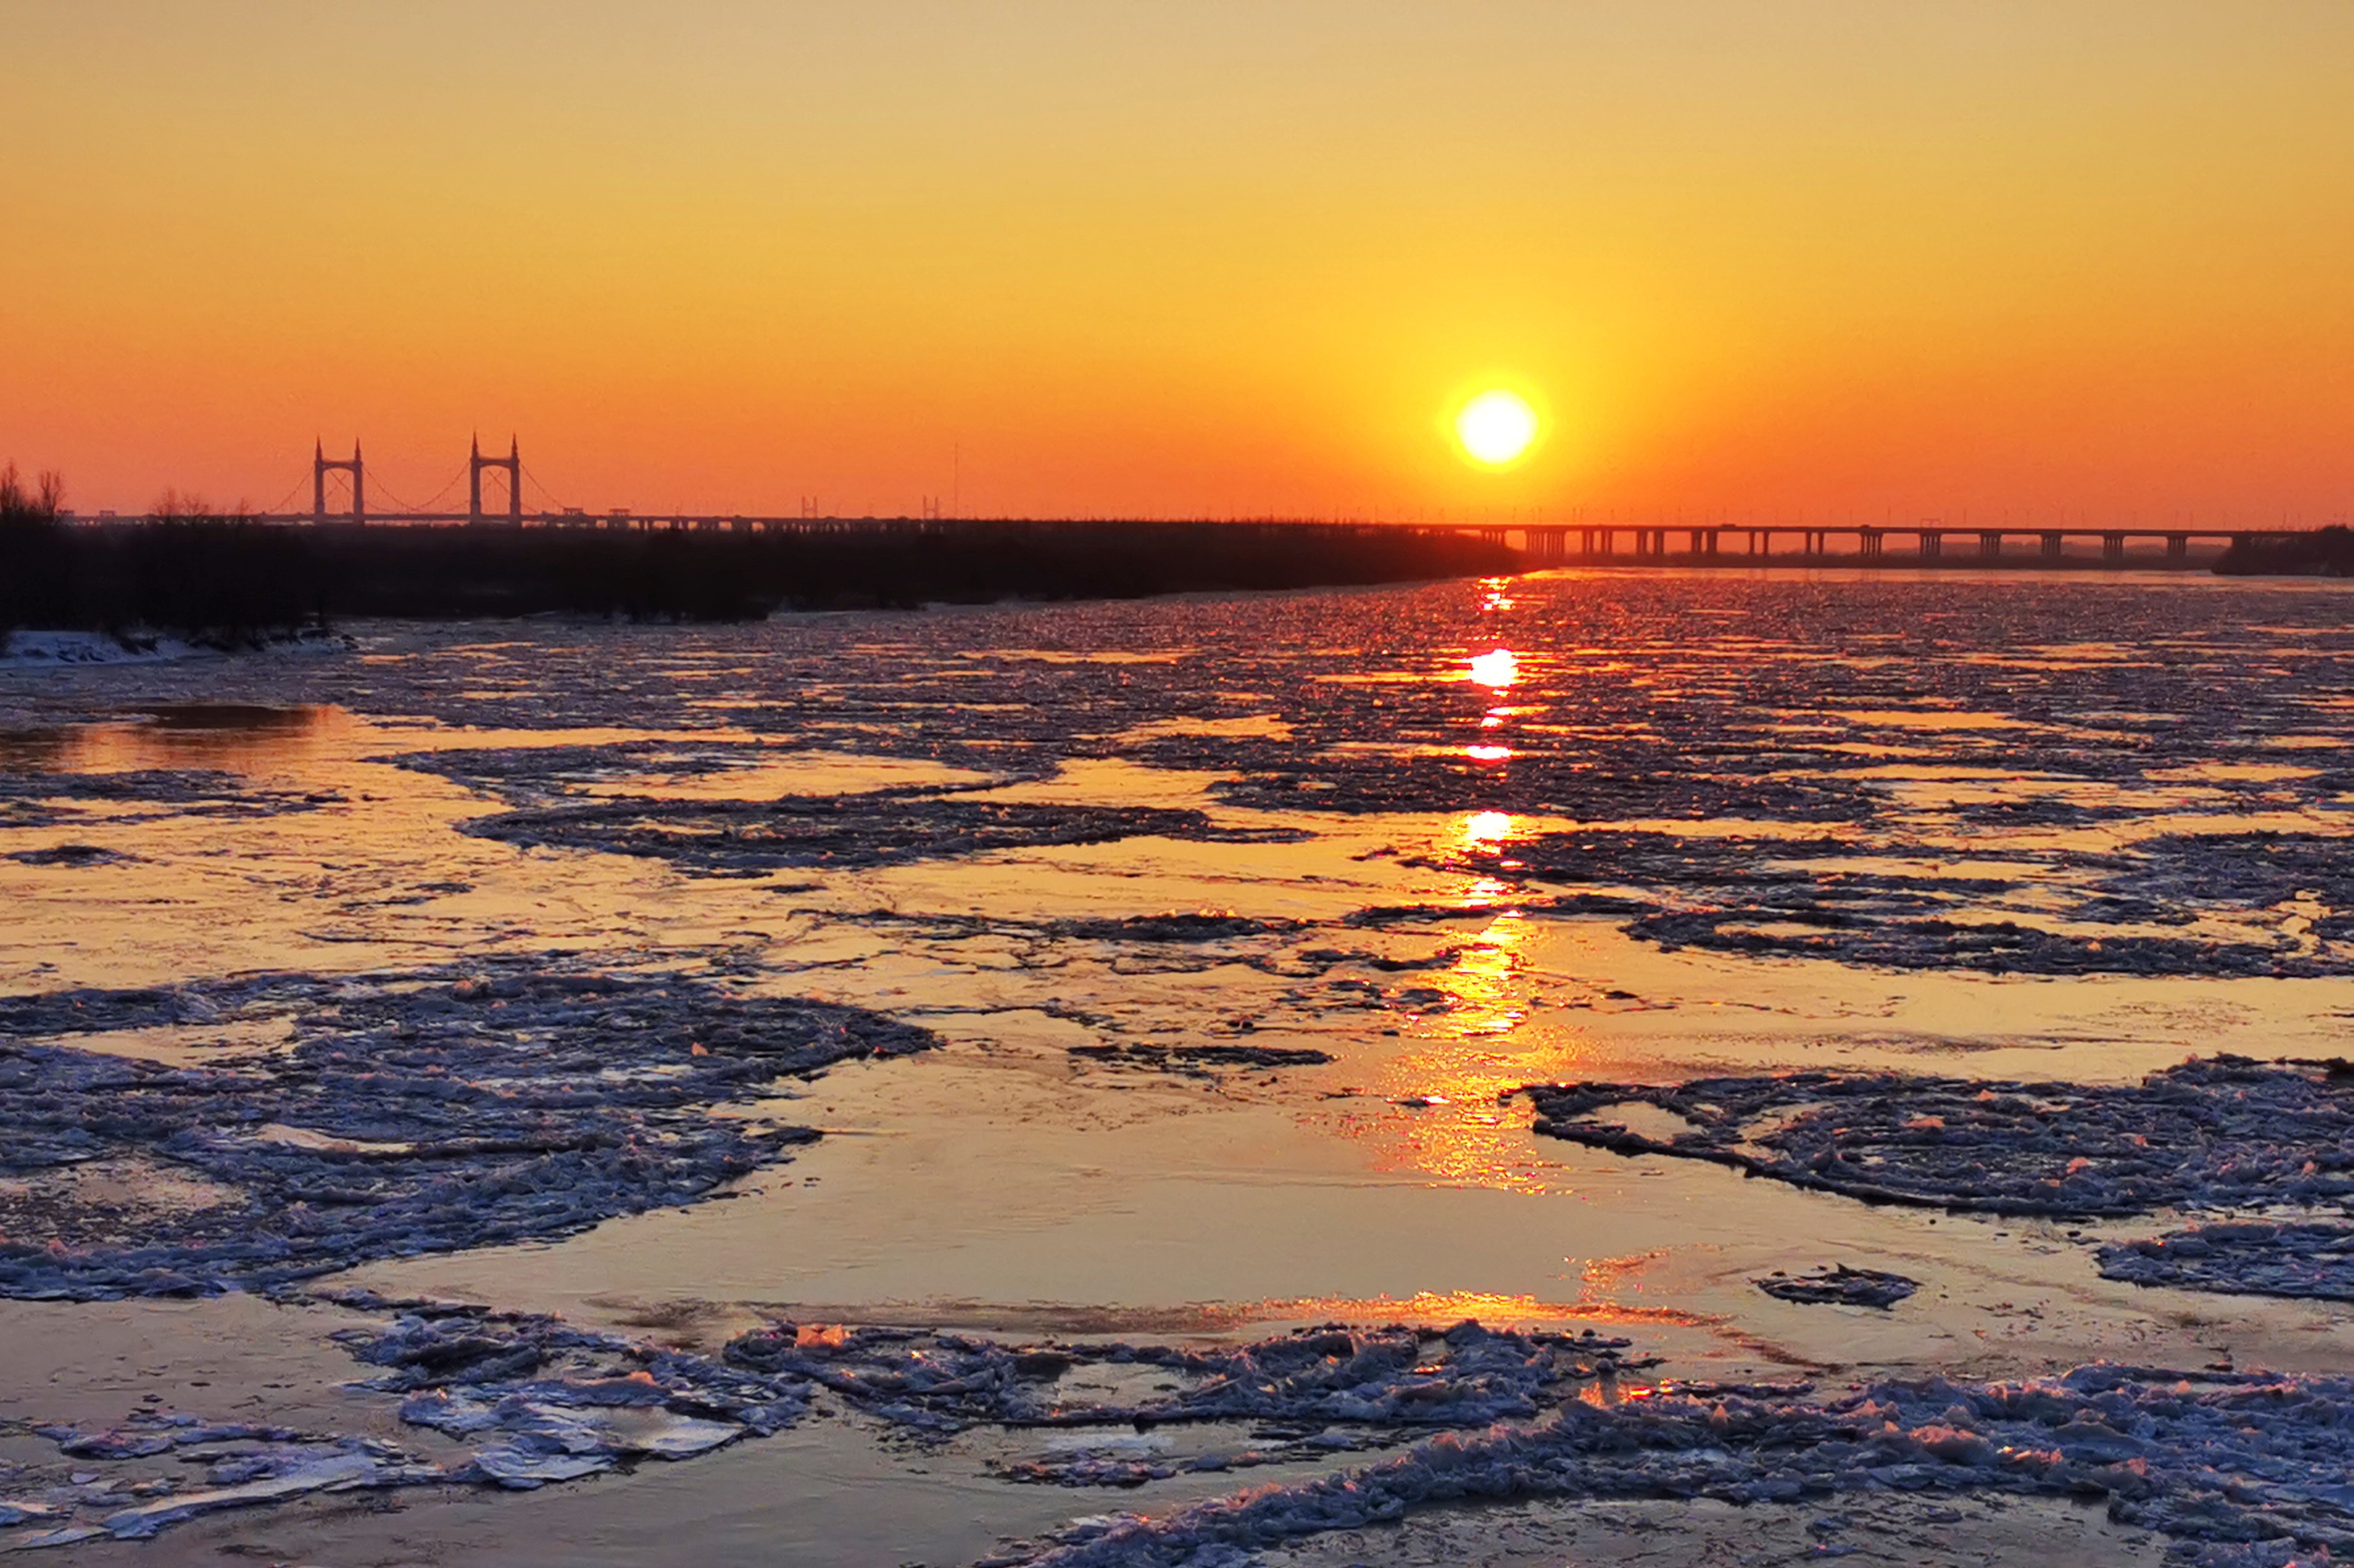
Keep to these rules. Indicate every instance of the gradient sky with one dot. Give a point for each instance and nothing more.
(1197, 258)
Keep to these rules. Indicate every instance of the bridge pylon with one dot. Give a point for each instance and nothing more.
(320, 464)
(475, 463)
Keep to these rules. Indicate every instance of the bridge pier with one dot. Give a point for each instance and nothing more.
(2113, 550)
(1990, 545)
(1872, 543)
(1933, 545)
(2050, 546)
(2177, 549)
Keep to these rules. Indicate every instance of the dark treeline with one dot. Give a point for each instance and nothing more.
(225, 578)
(2324, 553)
(186, 570)
(436, 572)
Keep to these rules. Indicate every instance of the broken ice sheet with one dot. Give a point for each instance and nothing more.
(420, 1111)
(2236, 1471)
(751, 838)
(2223, 1134)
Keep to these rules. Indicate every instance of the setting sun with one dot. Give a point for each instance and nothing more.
(1496, 428)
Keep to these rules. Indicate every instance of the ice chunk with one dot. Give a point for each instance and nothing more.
(525, 1469)
(145, 1519)
(1839, 1285)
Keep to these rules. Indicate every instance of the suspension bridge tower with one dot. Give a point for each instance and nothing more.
(476, 463)
(320, 464)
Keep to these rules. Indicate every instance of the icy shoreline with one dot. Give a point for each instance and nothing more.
(35, 649)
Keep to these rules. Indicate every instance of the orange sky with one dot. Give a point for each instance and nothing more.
(1197, 258)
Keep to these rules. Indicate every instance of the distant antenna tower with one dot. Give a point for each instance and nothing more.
(320, 463)
(475, 463)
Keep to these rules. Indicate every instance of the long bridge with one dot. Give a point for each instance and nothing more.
(1552, 544)
(1928, 543)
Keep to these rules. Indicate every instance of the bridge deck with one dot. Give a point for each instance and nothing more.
(1553, 543)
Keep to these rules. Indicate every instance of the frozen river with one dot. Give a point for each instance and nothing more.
(827, 1050)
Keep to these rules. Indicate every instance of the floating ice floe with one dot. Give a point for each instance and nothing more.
(2228, 1131)
(1998, 905)
(1202, 1058)
(886, 827)
(551, 1390)
(234, 1464)
(38, 799)
(415, 1112)
(2224, 1134)
(2242, 1257)
(2239, 1471)
(532, 1401)
(72, 856)
(1839, 1285)
(546, 774)
(1466, 1375)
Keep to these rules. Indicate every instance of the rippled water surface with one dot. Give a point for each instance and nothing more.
(1233, 923)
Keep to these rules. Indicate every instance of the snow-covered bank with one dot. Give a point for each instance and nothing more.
(37, 650)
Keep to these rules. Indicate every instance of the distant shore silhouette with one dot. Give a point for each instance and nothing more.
(190, 569)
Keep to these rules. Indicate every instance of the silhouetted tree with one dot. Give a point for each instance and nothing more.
(35, 565)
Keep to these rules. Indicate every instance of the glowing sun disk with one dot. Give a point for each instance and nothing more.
(1496, 428)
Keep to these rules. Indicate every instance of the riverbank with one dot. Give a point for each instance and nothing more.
(229, 578)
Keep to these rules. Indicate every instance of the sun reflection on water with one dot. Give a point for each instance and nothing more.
(1498, 668)
(1447, 1307)
(237, 736)
(1443, 1114)
(1481, 829)
(1483, 892)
